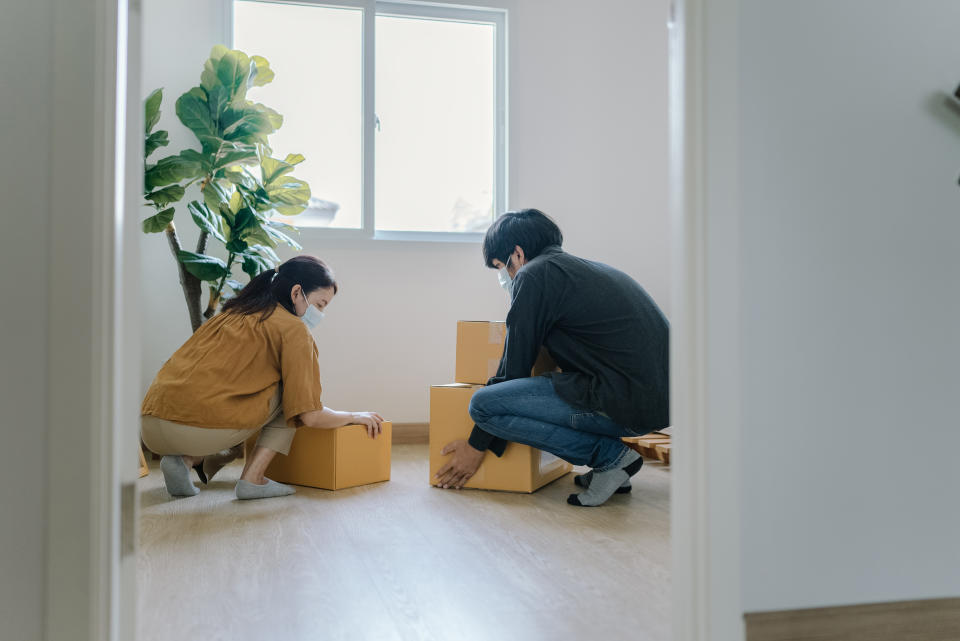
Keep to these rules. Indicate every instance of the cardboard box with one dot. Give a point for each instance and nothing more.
(479, 349)
(520, 469)
(334, 458)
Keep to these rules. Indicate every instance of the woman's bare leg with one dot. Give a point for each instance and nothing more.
(256, 465)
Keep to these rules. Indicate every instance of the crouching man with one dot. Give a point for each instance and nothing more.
(610, 341)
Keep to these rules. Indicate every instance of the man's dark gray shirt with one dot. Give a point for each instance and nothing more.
(606, 334)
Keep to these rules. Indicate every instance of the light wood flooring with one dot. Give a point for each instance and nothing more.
(404, 561)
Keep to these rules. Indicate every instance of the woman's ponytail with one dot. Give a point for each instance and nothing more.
(270, 287)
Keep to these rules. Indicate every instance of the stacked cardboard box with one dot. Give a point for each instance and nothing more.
(521, 468)
(333, 459)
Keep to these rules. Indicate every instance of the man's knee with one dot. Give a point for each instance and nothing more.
(479, 405)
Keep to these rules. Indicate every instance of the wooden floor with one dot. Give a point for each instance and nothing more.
(402, 560)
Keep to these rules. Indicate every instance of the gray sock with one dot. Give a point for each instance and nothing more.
(176, 475)
(604, 484)
(583, 480)
(247, 490)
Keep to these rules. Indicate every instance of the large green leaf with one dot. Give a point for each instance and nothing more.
(154, 141)
(204, 267)
(168, 171)
(158, 222)
(289, 191)
(208, 79)
(233, 153)
(194, 112)
(276, 224)
(271, 169)
(251, 126)
(215, 193)
(237, 246)
(244, 219)
(209, 221)
(240, 176)
(236, 71)
(290, 210)
(266, 252)
(264, 73)
(165, 195)
(253, 264)
(200, 160)
(273, 117)
(236, 201)
(151, 111)
(217, 100)
(259, 236)
(280, 237)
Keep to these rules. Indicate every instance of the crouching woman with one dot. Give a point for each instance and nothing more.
(252, 368)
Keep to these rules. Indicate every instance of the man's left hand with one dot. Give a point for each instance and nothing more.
(461, 466)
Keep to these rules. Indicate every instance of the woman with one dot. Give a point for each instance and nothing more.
(252, 368)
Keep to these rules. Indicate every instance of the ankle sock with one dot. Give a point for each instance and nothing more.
(583, 480)
(270, 489)
(176, 475)
(604, 484)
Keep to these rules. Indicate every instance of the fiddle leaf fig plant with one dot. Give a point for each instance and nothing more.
(242, 186)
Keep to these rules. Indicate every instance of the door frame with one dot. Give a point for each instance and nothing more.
(705, 346)
(92, 338)
(94, 363)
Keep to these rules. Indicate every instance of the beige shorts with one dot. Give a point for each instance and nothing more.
(166, 437)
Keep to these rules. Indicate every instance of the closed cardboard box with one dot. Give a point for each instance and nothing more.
(479, 349)
(333, 459)
(520, 469)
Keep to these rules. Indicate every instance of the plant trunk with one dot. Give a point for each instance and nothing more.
(217, 294)
(188, 282)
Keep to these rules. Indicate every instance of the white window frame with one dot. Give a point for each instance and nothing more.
(453, 13)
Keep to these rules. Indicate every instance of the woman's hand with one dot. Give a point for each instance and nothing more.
(371, 420)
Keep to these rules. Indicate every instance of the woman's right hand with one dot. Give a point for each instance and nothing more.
(371, 420)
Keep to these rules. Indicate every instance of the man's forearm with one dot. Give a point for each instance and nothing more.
(483, 441)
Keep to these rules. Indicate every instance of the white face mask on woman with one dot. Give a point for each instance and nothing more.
(312, 317)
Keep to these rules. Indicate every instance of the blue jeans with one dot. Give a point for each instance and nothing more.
(529, 411)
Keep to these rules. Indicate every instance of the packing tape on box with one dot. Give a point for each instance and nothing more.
(497, 333)
(493, 364)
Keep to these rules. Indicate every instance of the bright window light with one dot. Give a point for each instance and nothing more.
(435, 145)
(403, 131)
(317, 55)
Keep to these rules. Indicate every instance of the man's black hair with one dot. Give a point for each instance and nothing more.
(532, 229)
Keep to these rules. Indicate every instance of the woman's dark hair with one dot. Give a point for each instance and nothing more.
(532, 229)
(273, 286)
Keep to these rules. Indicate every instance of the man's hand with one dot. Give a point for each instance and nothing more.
(461, 466)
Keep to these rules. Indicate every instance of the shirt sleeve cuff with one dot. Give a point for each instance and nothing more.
(483, 441)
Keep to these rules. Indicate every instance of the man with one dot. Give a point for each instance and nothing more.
(610, 341)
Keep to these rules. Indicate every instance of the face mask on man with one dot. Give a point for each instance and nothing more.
(504, 277)
(312, 317)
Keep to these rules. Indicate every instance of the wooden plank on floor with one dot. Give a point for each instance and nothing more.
(926, 620)
(663, 452)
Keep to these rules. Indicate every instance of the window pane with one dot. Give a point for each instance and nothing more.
(435, 102)
(317, 55)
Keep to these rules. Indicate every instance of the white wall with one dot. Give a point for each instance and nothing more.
(850, 237)
(25, 120)
(588, 140)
